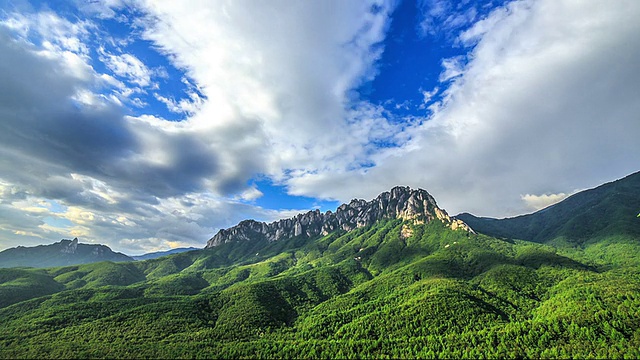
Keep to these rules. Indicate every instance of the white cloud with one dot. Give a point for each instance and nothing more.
(127, 66)
(174, 180)
(548, 95)
(190, 106)
(57, 39)
(286, 68)
(251, 194)
(546, 104)
(427, 96)
(445, 16)
(113, 82)
(48, 28)
(105, 9)
(108, 171)
(537, 202)
(480, 28)
(453, 67)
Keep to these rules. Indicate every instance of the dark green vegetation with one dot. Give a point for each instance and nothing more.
(395, 289)
(65, 252)
(609, 209)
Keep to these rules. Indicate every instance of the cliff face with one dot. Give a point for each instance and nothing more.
(399, 203)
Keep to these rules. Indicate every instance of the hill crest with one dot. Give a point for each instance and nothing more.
(606, 210)
(398, 203)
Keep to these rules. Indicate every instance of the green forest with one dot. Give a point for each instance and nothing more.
(392, 290)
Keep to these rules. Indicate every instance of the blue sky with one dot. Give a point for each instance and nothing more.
(151, 125)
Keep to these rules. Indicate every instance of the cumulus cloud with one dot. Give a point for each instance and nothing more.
(427, 96)
(103, 9)
(446, 16)
(452, 68)
(287, 68)
(130, 181)
(89, 156)
(543, 103)
(127, 66)
(546, 104)
(189, 106)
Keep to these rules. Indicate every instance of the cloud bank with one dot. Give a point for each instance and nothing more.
(544, 105)
(544, 102)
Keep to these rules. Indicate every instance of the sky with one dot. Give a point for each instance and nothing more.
(148, 125)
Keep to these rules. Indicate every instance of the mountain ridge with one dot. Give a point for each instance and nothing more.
(609, 209)
(400, 202)
(157, 254)
(62, 253)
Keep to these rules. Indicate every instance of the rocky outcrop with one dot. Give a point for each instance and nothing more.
(69, 248)
(404, 203)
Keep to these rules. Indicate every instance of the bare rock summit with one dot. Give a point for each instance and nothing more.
(404, 203)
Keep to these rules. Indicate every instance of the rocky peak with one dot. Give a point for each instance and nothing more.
(399, 203)
(71, 247)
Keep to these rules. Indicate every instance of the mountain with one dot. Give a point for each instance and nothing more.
(608, 210)
(157, 254)
(65, 252)
(399, 203)
(389, 278)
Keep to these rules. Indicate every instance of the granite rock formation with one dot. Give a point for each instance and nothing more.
(404, 203)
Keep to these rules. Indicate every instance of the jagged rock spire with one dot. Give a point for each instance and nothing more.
(399, 203)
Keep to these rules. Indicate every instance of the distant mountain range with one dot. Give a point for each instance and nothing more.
(399, 203)
(157, 254)
(65, 252)
(70, 252)
(607, 210)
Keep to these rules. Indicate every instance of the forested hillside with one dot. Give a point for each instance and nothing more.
(395, 289)
(607, 210)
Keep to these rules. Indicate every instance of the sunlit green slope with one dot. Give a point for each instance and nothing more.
(394, 289)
